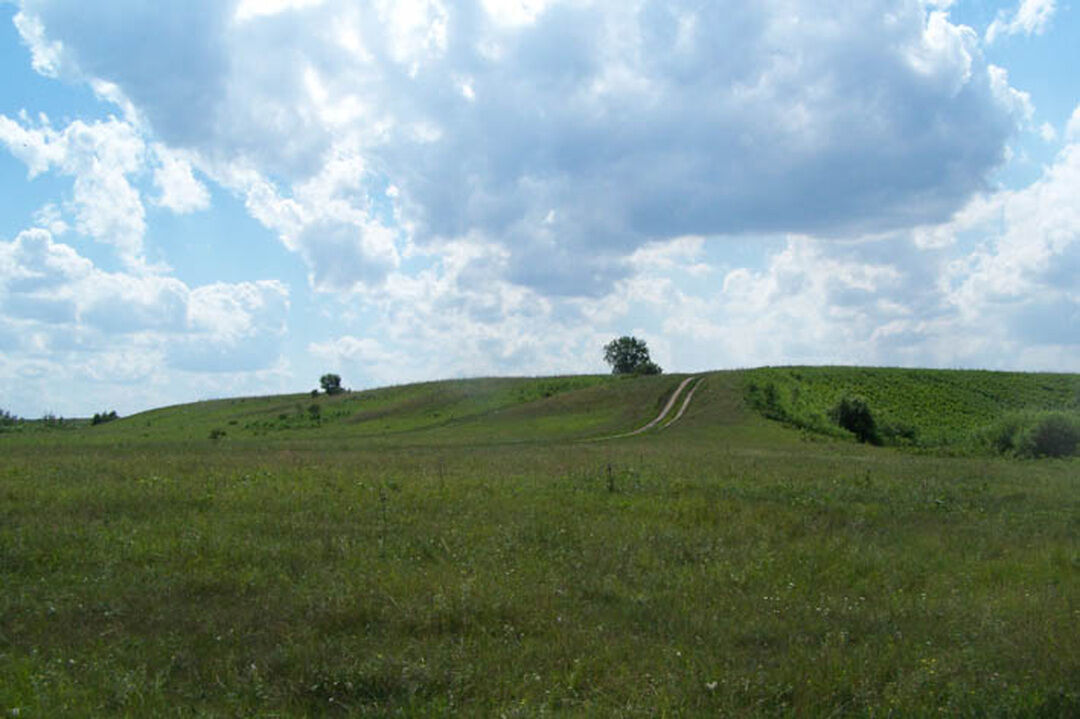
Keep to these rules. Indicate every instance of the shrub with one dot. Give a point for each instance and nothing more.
(854, 415)
(104, 417)
(900, 433)
(1043, 434)
(766, 400)
(1052, 434)
(217, 433)
(1002, 435)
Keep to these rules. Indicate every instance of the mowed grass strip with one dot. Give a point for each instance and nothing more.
(723, 566)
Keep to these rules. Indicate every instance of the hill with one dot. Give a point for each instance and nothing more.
(953, 410)
(482, 410)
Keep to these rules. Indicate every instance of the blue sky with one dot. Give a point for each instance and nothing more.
(233, 197)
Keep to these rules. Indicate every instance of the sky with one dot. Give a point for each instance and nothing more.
(232, 197)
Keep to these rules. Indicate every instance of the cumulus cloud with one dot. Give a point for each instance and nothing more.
(1026, 278)
(100, 157)
(60, 302)
(175, 180)
(995, 287)
(568, 132)
(1031, 17)
(105, 159)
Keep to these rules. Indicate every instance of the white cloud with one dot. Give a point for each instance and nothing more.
(626, 123)
(1032, 17)
(996, 287)
(515, 12)
(1018, 102)
(231, 311)
(180, 191)
(921, 297)
(338, 220)
(251, 9)
(46, 55)
(100, 157)
(1072, 129)
(946, 52)
(1026, 278)
(59, 305)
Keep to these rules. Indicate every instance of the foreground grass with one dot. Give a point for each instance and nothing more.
(721, 566)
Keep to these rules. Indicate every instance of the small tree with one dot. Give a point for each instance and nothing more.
(854, 415)
(331, 383)
(629, 355)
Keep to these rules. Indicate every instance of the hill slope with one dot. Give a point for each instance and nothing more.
(482, 410)
(960, 409)
(912, 406)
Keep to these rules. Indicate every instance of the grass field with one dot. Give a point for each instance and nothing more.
(458, 548)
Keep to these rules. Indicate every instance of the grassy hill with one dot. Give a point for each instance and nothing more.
(915, 407)
(465, 548)
(961, 410)
(451, 411)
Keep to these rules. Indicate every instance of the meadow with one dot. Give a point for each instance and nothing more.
(469, 547)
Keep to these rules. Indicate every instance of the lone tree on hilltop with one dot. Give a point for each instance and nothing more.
(331, 383)
(629, 355)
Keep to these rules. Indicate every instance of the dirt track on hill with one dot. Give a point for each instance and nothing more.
(667, 408)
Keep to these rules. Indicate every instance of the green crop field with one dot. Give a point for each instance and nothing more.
(477, 548)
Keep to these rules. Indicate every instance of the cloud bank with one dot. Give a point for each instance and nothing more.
(572, 131)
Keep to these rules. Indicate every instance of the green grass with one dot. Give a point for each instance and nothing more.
(938, 408)
(388, 562)
(495, 409)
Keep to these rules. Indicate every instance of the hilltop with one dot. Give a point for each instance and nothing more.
(958, 410)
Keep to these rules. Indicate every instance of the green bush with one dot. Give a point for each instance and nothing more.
(766, 400)
(1042, 434)
(898, 433)
(854, 415)
(1054, 434)
(1002, 435)
(103, 417)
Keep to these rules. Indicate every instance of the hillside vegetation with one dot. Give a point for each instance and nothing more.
(965, 410)
(473, 548)
(451, 411)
